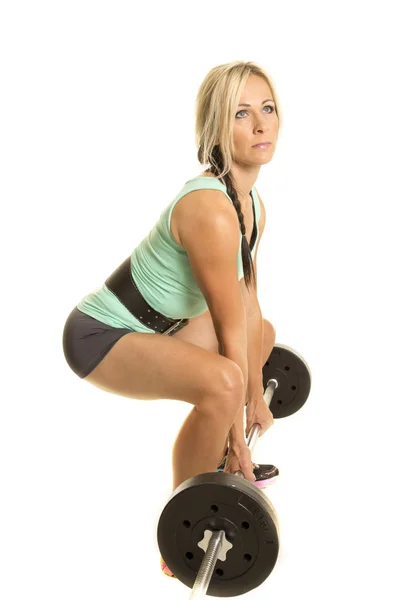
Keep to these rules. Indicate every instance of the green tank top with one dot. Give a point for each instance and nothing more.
(161, 270)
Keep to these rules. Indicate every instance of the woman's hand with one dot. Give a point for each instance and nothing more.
(257, 411)
(239, 459)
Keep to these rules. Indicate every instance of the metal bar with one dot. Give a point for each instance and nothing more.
(253, 436)
(210, 558)
(208, 563)
(269, 391)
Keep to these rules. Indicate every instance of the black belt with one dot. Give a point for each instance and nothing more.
(122, 284)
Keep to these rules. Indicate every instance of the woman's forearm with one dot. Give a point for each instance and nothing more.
(255, 365)
(238, 353)
(236, 434)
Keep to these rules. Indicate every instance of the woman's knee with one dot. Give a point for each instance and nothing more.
(269, 331)
(226, 390)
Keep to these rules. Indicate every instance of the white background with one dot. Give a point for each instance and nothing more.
(97, 136)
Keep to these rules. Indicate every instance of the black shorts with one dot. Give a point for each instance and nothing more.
(86, 341)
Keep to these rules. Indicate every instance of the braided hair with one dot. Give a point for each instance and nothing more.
(216, 168)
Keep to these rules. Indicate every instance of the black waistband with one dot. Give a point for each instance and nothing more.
(122, 284)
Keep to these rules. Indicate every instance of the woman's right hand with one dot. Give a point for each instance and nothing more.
(239, 459)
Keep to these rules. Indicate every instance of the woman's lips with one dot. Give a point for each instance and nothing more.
(266, 145)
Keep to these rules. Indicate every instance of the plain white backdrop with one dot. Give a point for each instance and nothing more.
(97, 137)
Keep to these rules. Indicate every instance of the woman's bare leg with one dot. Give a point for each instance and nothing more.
(151, 367)
(200, 445)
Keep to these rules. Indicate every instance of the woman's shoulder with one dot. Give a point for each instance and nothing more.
(197, 201)
(203, 192)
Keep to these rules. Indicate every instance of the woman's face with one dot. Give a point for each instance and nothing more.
(255, 123)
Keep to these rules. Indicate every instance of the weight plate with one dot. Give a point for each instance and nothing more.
(216, 501)
(294, 380)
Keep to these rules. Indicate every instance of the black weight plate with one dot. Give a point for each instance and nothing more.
(294, 378)
(218, 501)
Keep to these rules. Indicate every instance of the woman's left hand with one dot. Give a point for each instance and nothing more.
(257, 411)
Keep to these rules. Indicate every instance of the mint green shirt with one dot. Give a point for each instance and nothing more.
(161, 270)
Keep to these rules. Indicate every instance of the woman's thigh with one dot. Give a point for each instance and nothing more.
(200, 331)
(152, 366)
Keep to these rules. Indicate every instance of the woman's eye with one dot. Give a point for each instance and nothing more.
(266, 106)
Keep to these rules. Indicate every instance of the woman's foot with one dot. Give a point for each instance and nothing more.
(265, 474)
(165, 569)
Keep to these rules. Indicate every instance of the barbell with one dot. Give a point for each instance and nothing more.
(218, 533)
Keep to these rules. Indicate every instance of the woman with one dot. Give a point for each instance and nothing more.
(193, 281)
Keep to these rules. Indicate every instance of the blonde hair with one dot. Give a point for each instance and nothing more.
(216, 107)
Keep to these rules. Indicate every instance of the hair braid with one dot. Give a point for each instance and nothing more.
(216, 169)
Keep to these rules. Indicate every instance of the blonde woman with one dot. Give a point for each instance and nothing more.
(179, 318)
